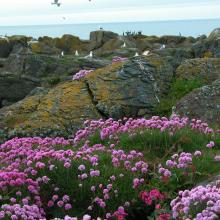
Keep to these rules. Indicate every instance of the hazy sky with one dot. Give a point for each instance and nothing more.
(29, 12)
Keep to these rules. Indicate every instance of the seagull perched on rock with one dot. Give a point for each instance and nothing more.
(163, 47)
(124, 45)
(136, 54)
(146, 52)
(62, 54)
(76, 53)
(90, 55)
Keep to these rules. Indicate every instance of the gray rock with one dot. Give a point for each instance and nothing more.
(202, 103)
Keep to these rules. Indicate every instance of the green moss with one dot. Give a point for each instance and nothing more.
(53, 80)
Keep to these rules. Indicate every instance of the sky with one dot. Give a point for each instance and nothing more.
(38, 12)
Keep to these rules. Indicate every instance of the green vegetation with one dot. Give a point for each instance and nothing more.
(179, 88)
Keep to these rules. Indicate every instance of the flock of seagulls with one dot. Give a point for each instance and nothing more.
(90, 55)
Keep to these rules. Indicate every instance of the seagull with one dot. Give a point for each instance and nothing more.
(163, 47)
(100, 28)
(136, 54)
(90, 55)
(56, 2)
(146, 52)
(76, 53)
(124, 45)
(62, 54)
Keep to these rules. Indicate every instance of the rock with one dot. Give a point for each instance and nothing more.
(24, 69)
(13, 88)
(69, 44)
(114, 47)
(57, 112)
(215, 34)
(5, 48)
(122, 89)
(130, 89)
(202, 103)
(98, 38)
(208, 47)
(205, 70)
(176, 55)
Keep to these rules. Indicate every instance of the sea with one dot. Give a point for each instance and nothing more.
(193, 28)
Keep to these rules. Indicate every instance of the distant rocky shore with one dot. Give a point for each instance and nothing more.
(163, 75)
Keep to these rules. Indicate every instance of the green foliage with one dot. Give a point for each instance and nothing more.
(178, 89)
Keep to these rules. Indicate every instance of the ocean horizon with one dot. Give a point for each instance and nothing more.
(192, 28)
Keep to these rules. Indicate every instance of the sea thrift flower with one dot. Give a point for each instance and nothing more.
(211, 144)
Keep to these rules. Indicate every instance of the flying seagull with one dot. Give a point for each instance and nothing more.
(56, 2)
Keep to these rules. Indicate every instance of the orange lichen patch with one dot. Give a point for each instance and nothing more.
(67, 103)
(100, 82)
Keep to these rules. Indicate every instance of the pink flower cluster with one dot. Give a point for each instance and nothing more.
(154, 196)
(81, 74)
(200, 203)
(111, 129)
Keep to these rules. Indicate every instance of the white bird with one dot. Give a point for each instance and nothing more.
(146, 52)
(90, 55)
(124, 45)
(76, 53)
(136, 54)
(163, 47)
(62, 54)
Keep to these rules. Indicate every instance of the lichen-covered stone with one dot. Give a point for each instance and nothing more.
(132, 88)
(202, 103)
(205, 69)
(57, 112)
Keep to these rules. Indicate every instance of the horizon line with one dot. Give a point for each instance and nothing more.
(113, 22)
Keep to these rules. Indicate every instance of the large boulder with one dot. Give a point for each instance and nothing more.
(59, 111)
(208, 47)
(132, 88)
(202, 103)
(14, 88)
(5, 47)
(98, 38)
(206, 70)
(215, 34)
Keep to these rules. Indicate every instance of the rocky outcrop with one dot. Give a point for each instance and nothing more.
(203, 103)
(99, 38)
(134, 89)
(204, 69)
(215, 34)
(25, 71)
(128, 89)
(51, 46)
(5, 48)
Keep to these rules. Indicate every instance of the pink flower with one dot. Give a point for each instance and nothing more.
(67, 206)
